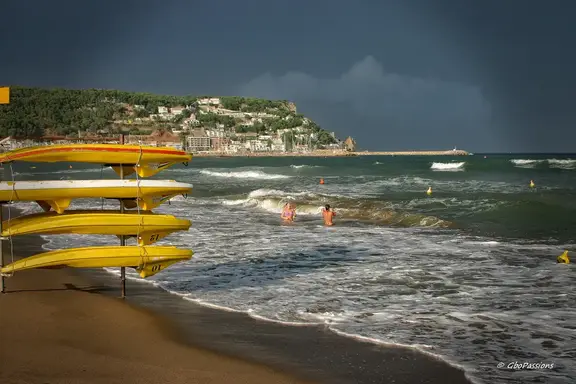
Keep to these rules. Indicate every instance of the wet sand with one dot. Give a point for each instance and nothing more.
(68, 326)
(55, 329)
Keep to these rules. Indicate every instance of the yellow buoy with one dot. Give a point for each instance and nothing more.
(563, 258)
(532, 185)
(429, 191)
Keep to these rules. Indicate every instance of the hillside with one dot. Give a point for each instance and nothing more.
(34, 112)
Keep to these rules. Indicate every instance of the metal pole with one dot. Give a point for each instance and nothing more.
(2, 285)
(122, 238)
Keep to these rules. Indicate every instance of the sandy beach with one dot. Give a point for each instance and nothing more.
(69, 326)
(55, 329)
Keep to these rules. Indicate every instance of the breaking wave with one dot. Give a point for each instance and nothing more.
(304, 166)
(552, 163)
(526, 163)
(244, 174)
(448, 166)
(564, 164)
(358, 209)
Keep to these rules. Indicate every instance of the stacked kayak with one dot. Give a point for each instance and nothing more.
(55, 197)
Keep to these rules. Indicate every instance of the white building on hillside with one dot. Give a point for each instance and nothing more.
(209, 101)
(177, 110)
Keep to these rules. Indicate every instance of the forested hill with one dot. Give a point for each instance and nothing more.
(34, 112)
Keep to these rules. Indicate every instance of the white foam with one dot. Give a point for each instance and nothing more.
(304, 166)
(263, 192)
(553, 163)
(291, 323)
(272, 205)
(448, 166)
(27, 207)
(273, 200)
(244, 174)
(525, 162)
(210, 305)
(562, 163)
(236, 202)
(488, 243)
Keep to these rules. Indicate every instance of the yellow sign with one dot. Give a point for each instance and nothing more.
(4, 95)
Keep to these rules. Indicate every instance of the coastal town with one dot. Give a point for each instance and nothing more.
(202, 125)
(206, 125)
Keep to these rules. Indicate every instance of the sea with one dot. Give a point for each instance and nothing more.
(468, 273)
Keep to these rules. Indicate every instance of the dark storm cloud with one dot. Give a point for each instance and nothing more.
(516, 57)
(54, 43)
(379, 99)
(527, 60)
(484, 75)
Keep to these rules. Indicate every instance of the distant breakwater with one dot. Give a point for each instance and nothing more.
(458, 152)
(332, 153)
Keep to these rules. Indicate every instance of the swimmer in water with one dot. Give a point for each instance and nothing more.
(288, 212)
(328, 214)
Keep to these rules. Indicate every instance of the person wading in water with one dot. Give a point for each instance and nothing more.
(288, 212)
(328, 214)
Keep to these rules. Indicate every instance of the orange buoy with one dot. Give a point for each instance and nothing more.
(321, 181)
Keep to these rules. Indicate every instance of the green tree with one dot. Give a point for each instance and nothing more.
(241, 129)
(325, 138)
(233, 103)
(140, 113)
(294, 122)
(33, 111)
(288, 139)
(259, 128)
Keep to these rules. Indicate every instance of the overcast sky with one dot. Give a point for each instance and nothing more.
(483, 75)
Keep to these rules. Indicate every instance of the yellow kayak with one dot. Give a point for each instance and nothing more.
(147, 226)
(145, 160)
(57, 194)
(148, 261)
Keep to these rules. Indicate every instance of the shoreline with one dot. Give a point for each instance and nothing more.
(59, 326)
(310, 352)
(332, 153)
(310, 349)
